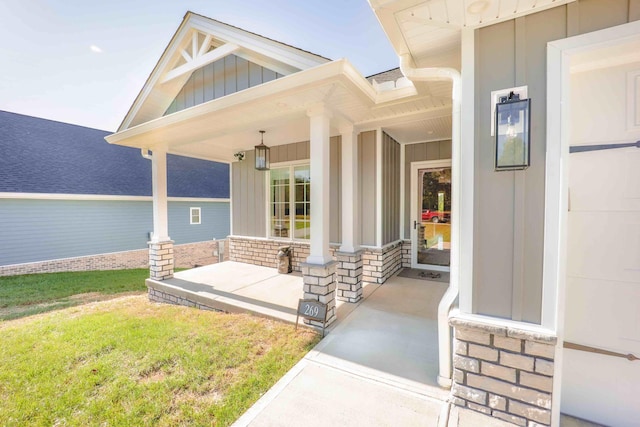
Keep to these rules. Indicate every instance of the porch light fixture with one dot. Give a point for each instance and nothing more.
(513, 135)
(262, 154)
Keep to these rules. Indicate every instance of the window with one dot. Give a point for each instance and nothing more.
(194, 215)
(290, 202)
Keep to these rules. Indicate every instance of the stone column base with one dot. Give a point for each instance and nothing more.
(503, 371)
(161, 260)
(349, 275)
(320, 285)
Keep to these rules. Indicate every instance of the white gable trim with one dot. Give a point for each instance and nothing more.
(268, 53)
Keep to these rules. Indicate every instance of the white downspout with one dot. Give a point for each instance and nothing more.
(450, 296)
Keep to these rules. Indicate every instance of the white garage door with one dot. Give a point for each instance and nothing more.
(603, 265)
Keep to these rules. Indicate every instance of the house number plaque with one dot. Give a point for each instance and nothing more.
(312, 310)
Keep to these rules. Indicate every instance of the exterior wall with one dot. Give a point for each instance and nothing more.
(390, 189)
(509, 206)
(38, 230)
(436, 150)
(185, 256)
(222, 77)
(503, 372)
(367, 167)
(248, 188)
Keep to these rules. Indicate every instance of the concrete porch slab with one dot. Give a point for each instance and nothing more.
(237, 287)
(377, 367)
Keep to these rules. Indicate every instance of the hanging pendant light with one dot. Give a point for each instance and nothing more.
(262, 154)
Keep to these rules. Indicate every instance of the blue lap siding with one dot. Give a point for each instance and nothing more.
(42, 158)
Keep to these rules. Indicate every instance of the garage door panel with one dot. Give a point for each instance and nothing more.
(605, 181)
(585, 391)
(604, 245)
(599, 317)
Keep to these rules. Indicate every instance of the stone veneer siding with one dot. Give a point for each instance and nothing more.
(406, 254)
(264, 252)
(377, 264)
(349, 276)
(157, 295)
(185, 256)
(380, 264)
(503, 372)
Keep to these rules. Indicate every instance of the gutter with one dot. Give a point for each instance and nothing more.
(451, 295)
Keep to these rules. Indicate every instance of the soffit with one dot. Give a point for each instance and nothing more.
(432, 28)
(217, 129)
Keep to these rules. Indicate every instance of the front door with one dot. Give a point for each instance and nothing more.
(431, 215)
(602, 311)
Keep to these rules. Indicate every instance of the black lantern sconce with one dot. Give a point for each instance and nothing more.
(262, 154)
(513, 134)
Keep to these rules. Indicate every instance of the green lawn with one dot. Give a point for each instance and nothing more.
(36, 293)
(130, 362)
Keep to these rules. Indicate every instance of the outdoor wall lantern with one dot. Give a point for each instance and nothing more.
(262, 154)
(512, 133)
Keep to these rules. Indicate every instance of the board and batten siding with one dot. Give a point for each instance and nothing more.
(248, 187)
(367, 167)
(220, 78)
(390, 189)
(509, 206)
(41, 230)
(424, 151)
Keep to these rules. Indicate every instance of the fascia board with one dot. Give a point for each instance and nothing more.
(340, 70)
(153, 78)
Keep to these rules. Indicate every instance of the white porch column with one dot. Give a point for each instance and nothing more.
(349, 269)
(320, 118)
(160, 246)
(159, 186)
(350, 199)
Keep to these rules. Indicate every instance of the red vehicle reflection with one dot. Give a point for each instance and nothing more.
(435, 216)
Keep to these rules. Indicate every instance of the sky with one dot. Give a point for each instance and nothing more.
(84, 61)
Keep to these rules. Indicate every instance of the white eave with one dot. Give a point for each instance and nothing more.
(430, 29)
(217, 129)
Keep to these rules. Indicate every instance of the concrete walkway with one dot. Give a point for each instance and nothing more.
(377, 367)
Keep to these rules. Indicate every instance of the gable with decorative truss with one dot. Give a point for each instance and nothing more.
(207, 59)
(225, 76)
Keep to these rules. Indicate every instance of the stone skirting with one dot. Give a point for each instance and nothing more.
(380, 264)
(264, 252)
(157, 295)
(349, 276)
(320, 285)
(186, 256)
(504, 372)
(406, 254)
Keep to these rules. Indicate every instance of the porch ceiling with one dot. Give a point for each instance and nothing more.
(430, 29)
(217, 129)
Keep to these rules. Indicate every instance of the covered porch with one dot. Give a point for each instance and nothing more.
(337, 190)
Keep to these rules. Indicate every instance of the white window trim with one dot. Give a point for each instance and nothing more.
(191, 211)
(290, 164)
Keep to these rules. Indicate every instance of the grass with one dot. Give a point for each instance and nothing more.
(127, 361)
(36, 293)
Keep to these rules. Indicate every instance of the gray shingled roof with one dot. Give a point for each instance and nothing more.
(386, 76)
(44, 156)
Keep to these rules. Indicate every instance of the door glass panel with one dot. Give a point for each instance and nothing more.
(434, 218)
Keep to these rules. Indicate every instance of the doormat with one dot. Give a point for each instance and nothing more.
(434, 276)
